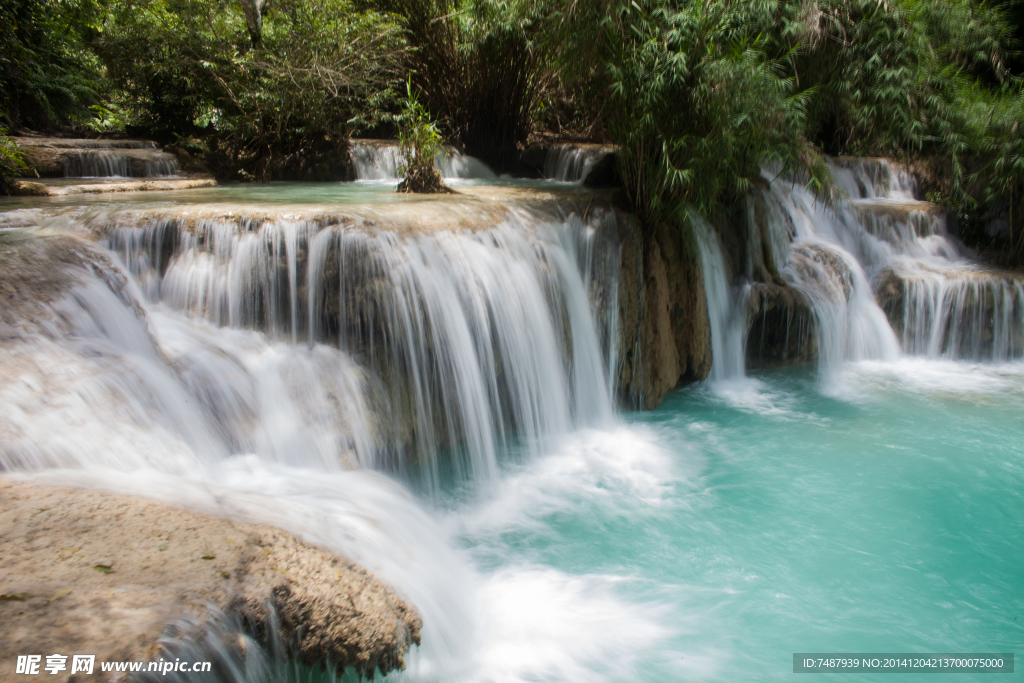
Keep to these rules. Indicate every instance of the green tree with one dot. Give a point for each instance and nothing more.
(49, 78)
(480, 67)
(316, 70)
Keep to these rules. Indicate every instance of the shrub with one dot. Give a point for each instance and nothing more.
(420, 144)
(12, 163)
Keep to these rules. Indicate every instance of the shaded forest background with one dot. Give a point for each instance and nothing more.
(699, 95)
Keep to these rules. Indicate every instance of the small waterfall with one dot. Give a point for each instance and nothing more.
(970, 316)
(940, 302)
(382, 159)
(726, 307)
(824, 262)
(872, 179)
(101, 164)
(376, 159)
(172, 394)
(160, 167)
(882, 246)
(105, 163)
(572, 163)
(476, 339)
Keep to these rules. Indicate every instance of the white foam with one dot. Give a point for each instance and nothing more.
(969, 381)
(624, 467)
(752, 395)
(545, 625)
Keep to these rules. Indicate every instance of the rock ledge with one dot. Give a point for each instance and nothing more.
(89, 572)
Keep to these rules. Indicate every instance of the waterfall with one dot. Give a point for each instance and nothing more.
(106, 163)
(173, 394)
(726, 308)
(822, 263)
(97, 165)
(941, 303)
(474, 338)
(160, 167)
(572, 163)
(375, 159)
(872, 179)
(261, 369)
(961, 315)
(382, 159)
(880, 272)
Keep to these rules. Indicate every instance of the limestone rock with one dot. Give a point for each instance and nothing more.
(170, 565)
(781, 330)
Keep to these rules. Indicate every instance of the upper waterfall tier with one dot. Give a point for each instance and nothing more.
(382, 160)
(438, 325)
(869, 178)
(572, 163)
(72, 158)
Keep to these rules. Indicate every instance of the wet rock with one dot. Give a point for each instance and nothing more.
(781, 330)
(890, 293)
(119, 185)
(604, 172)
(666, 333)
(27, 188)
(324, 609)
(813, 263)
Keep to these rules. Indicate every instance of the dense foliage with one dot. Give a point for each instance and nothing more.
(702, 95)
(278, 93)
(12, 163)
(480, 66)
(49, 78)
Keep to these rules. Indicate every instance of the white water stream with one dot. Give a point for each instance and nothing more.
(836, 255)
(382, 159)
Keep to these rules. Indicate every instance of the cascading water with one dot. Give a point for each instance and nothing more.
(102, 164)
(726, 307)
(375, 160)
(204, 380)
(572, 163)
(474, 336)
(265, 363)
(821, 263)
(962, 315)
(382, 159)
(110, 163)
(877, 249)
(160, 167)
(940, 302)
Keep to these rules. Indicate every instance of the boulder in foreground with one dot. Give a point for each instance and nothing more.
(89, 572)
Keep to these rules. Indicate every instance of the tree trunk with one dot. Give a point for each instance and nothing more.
(254, 20)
